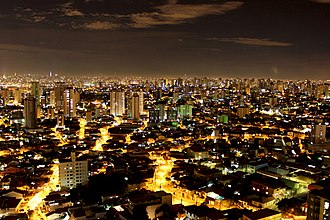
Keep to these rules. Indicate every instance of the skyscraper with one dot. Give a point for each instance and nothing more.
(71, 100)
(141, 105)
(36, 92)
(185, 111)
(161, 108)
(18, 95)
(320, 134)
(319, 200)
(66, 99)
(135, 107)
(30, 112)
(242, 111)
(117, 102)
(59, 96)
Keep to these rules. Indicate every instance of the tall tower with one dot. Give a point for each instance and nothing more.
(141, 106)
(59, 96)
(319, 134)
(117, 102)
(36, 92)
(30, 112)
(135, 107)
(18, 95)
(159, 93)
(161, 108)
(70, 103)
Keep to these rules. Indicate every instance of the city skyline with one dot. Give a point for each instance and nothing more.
(125, 148)
(270, 39)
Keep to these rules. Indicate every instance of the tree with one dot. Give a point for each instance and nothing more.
(140, 213)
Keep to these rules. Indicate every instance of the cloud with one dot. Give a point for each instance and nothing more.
(321, 1)
(171, 12)
(72, 12)
(174, 13)
(42, 48)
(25, 49)
(68, 10)
(252, 41)
(168, 14)
(210, 49)
(29, 15)
(100, 25)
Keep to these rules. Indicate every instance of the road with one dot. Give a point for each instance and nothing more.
(105, 135)
(35, 202)
(102, 140)
(161, 181)
(82, 124)
(59, 136)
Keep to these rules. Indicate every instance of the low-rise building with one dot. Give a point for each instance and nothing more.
(263, 214)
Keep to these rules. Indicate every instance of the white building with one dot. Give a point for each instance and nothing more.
(73, 173)
(141, 104)
(320, 133)
(117, 102)
(72, 97)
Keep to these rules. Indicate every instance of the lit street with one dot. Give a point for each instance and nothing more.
(102, 140)
(35, 203)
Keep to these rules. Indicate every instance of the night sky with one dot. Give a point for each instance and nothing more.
(281, 39)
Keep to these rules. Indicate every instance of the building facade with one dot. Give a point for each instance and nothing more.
(135, 107)
(73, 173)
(117, 102)
(30, 112)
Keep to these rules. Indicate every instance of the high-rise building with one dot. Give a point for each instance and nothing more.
(319, 134)
(273, 101)
(161, 108)
(4, 93)
(59, 96)
(280, 87)
(50, 112)
(242, 111)
(319, 200)
(141, 104)
(65, 99)
(117, 102)
(71, 99)
(36, 92)
(319, 91)
(60, 119)
(18, 95)
(73, 172)
(176, 95)
(89, 116)
(171, 114)
(153, 116)
(30, 112)
(135, 107)
(185, 111)
(159, 93)
(51, 98)
(223, 118)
